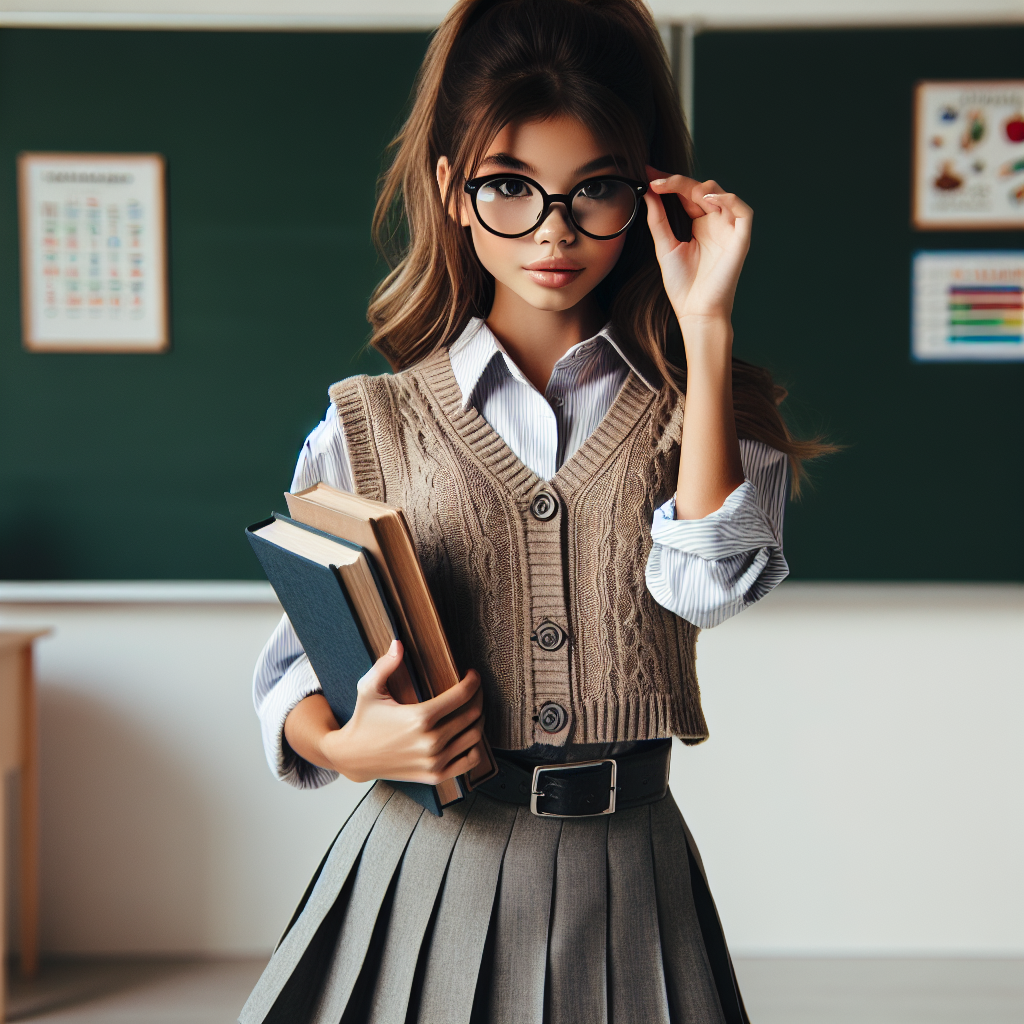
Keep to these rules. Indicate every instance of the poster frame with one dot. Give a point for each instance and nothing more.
(919, 220)
(160, 278)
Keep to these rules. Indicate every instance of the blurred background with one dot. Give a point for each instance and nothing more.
(860, 805)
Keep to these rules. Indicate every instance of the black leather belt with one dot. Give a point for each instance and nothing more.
(584, 789)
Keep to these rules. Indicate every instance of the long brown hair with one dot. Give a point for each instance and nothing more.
(495, 62)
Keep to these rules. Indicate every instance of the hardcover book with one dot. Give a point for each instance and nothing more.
(333, 596)
(382, 531)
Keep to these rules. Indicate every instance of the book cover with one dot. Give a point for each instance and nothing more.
(315, 601)
(382, 529)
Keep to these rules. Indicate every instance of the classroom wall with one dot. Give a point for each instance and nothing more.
(428, 13)
(271, 170)
(862, 790)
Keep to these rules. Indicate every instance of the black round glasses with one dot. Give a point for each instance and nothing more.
(512, 205)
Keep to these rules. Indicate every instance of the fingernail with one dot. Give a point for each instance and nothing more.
(659, 181)
(712, 195)
(393, 649)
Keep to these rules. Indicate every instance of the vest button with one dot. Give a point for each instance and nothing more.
(552, 717)
(549, 637)
(543, 506)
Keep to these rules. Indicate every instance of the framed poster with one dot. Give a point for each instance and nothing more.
(968, 155)
(93, 252)
(968, 306)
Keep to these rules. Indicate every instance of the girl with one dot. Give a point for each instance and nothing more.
(547, 314)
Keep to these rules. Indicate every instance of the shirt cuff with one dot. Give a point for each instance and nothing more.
(297, 683)
(740, 526)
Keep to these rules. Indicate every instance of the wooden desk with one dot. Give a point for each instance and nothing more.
(19, 748)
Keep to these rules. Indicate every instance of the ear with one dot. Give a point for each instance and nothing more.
(443, 178)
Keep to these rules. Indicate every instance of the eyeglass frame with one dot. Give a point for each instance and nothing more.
(473, 186)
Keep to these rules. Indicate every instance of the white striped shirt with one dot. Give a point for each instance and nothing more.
(704, 570)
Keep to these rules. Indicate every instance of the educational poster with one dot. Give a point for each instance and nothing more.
(969, 155)
(968, 306)
(93, 252)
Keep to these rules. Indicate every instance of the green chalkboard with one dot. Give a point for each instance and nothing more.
(813, 128)
(148, 467)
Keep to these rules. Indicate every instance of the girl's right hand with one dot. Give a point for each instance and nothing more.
(427, 742)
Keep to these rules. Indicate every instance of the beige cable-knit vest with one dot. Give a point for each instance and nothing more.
(540, 584)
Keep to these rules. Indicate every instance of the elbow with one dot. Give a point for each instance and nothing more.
(707, 592)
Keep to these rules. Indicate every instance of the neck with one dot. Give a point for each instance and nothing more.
(536, 339)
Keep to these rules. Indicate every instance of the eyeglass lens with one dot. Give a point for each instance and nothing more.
(511, 206)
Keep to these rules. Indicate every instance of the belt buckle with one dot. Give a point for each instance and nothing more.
(541, 768)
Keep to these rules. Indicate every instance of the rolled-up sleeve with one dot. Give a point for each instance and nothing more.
(283, 674)
(706, 570)
(282, 678)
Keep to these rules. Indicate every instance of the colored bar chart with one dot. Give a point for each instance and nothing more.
(968, 306)
(981, 313)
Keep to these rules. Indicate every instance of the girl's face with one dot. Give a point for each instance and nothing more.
(554, 267)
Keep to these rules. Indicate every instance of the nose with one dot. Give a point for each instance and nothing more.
(555, 227)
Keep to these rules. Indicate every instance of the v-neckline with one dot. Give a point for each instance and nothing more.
(633, 398)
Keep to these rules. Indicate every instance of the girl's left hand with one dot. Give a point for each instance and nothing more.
(700, 275)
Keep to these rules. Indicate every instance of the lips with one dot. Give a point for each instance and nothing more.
(554, 273)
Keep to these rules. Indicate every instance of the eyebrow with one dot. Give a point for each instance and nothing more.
(512, 163)
(509, 161)
(596, 165)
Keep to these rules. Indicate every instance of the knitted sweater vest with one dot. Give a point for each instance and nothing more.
(540, 584)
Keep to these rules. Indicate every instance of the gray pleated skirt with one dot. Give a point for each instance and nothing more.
(491, 913)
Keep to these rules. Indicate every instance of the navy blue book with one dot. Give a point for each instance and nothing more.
(331, 593)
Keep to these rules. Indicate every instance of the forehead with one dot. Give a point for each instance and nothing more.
(557, 146)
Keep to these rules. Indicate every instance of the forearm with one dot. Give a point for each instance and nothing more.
(709, 461)
(306, 727)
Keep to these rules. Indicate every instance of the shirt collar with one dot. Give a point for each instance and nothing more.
(471, 353)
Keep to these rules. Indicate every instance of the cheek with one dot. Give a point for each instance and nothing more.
(499, 256)
(608, 253)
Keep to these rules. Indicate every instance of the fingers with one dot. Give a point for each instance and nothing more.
(725, 202)
(661, 231)
(677, 184)
(436, 757)
(375, 682)
(699, 198)
(459, 765)
(445, 703)
(459, 720)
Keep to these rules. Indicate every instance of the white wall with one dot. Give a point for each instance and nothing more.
(863, 787)
(862, 790)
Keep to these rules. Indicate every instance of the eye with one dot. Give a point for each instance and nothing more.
(598, 190)
(512, 188)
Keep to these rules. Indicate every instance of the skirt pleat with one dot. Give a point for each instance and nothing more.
(633, 934)
(691, 987)
(298, 942)
(490, 913)
(577, 975)
(464, 915)
(523, 920)
(424, 864)
(377, 865)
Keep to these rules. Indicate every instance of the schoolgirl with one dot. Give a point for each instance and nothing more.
(548, 316)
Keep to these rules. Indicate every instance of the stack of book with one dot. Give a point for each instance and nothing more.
(347, 574)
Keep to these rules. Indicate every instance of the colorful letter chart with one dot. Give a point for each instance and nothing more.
(968, 306)
(93, 252)
(969, 155)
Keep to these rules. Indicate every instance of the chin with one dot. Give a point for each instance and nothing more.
(555, 300)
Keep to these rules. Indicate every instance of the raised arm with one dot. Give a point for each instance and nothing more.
(700, 278)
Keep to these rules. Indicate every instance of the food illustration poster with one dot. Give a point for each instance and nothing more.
(93, 260)
(968, 306)
(969, 155)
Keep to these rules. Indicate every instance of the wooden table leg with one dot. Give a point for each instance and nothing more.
(3, 901)
(29, 900)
